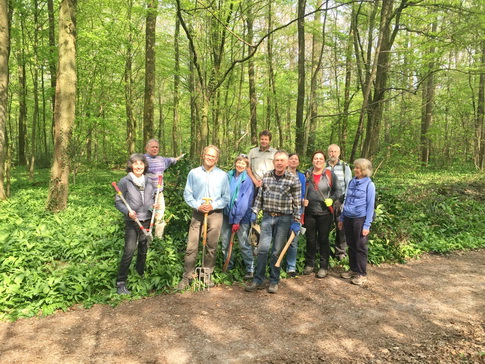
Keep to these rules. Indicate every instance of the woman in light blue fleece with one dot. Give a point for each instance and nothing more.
(356, 219)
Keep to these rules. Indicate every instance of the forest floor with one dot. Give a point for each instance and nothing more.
(429, 310)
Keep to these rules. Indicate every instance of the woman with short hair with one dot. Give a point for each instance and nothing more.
(356, 219)
(237, 213)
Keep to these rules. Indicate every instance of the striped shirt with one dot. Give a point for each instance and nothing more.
(343, 173)
(280, 195)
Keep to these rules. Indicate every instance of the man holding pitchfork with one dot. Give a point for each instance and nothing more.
(207, 193)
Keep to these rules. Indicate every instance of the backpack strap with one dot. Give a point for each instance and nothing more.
(328, 172)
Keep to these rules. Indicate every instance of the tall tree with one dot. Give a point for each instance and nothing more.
(253, 100)
(149, 106)
(300, 104)
(128, 76)
(176, 91)
(4, 54)
(480, 118)
(428, 92)
(65, 108)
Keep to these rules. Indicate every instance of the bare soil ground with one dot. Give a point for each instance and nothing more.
(427, 311)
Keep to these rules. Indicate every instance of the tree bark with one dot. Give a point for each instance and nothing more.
(149, 101)
(176, 91)
(65, 107)
(300, 104)
(253, 100)
(480, 123)
(52, 58)
(427, 105)
(4, 55)
(128, 76)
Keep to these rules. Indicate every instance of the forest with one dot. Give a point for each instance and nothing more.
(85, 84)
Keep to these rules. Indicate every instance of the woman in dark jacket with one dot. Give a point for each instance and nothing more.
(323, 189)
(237, 214)
(356, 218)
(140, 195)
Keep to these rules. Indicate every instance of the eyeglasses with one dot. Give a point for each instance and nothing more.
(209, 156)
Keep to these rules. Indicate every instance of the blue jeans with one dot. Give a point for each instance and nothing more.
(273, 228)
(291, 254)
(243, 238)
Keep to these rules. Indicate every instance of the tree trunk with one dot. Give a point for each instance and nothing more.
(318, 45)
(52, 58)
(427, 106)
(253, 100)
(300, 104)
(480, 123)
(176, 92)
(4, 54)
(35, 81)
(130, 119)
(65, 109)
(149, 104)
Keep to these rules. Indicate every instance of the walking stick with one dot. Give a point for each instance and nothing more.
(118, 191)
(203, 273)
(229, 252)
(159, 186)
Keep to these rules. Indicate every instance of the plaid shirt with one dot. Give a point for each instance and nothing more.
(282, 196)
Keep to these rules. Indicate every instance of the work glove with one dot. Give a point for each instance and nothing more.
(295, 227)
(253, 218)
(235, 228)
(328, 202)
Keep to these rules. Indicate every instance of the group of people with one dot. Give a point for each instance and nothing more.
(264, 185)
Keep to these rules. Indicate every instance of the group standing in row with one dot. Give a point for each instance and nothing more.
(265, 181)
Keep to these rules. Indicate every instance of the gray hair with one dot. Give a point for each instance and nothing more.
(365, 166)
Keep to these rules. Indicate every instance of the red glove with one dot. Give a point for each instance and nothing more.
(235, 227)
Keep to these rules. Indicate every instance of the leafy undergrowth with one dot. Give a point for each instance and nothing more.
(50, 261)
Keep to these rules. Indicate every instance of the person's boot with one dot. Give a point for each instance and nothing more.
(121, 288)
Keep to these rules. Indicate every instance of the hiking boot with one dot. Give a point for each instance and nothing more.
(291, 274)
(183, 284)
(273, 288)
(254, 286)
(358, 279)
(121, 288)
(249, 275)
(308, 270)
(322, 273)
(348, 274)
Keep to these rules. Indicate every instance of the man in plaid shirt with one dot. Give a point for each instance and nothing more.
(280, 200)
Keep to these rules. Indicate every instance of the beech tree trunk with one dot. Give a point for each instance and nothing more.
(149, 105)
(65, 108)
(4, 54)
(300, 104)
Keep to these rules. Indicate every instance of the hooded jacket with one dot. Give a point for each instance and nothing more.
(133, 195)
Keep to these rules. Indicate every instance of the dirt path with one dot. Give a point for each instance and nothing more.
(427, 311)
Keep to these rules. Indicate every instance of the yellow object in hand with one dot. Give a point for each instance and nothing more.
(328, 202)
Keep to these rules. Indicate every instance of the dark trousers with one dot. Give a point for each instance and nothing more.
(133, 234)
(340, 243)
(358, 247)
(317, 231)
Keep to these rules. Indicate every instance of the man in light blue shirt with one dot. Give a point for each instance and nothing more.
(206, 191)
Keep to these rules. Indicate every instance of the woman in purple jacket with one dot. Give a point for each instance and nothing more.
(356, 218)
(237, 214)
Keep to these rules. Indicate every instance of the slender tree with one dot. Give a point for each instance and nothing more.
(4, 54)
(149, 106)
(300, 104)
(65, 107)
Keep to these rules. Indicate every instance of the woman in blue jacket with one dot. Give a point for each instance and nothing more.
(237, 214)
(356, 218)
